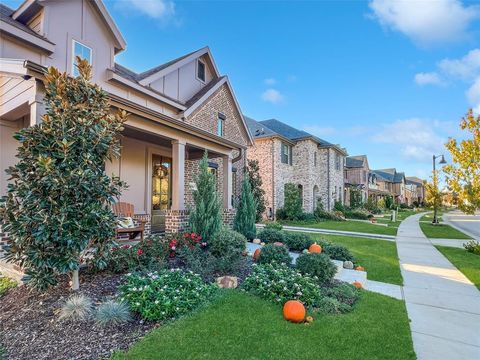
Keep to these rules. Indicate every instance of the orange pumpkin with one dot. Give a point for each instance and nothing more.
(360, 268)
(315, 248)
(294, 311)
(358, 284)
(278, 243)
(256, 254)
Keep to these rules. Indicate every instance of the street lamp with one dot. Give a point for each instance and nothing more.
(442, 162)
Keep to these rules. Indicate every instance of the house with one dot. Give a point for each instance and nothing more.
(288, 155)
(393, 182)
(377, 186)
(418, 189)
(177, 109)
(356, 176)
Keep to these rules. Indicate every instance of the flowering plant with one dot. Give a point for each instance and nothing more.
(188, 239)
(166, 294)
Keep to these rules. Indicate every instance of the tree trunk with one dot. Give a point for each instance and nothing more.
(75, 281)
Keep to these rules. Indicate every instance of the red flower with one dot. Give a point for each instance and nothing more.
(139, 252)
(186, 235)
(193, 235)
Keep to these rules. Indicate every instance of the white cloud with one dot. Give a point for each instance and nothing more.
(465, 68)
(270, 81)
(272, 96)
(319, 130)
(163, 10)
(428, 78)
(416, 139)
(473, 95)
(426, 22)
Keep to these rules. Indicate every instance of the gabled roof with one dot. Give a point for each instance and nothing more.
(414, 180)
(259, 130)
(357, 161)
(390, 175)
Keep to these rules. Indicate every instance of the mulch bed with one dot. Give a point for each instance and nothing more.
(30, 327)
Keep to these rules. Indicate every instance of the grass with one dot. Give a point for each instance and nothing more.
(378, 257)
(467, 262)
(240, 326)
(441, 231)
(348, 225)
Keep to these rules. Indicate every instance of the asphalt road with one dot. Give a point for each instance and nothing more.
(470, 224)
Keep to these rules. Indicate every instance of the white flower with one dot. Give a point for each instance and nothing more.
(157, 302)
(138, 304)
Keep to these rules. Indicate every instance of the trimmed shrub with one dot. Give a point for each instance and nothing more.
(279, 283)
(345, 293)
(335, 251)
(112, 312)
(318, 266)
(330, 305)
(338, 206)
(227, 247)
(199, 261)
(5, 284)
(78, 307)
(293, 202)
(271, 235)
(246, 215)
(473, 247)
(165, 295)
(273, 225)
(272, 253)
(358, 214)
(297, 241)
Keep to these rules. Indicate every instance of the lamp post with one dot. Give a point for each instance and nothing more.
(442, 161)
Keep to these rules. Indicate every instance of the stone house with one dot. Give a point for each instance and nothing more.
(177, 109)
(288, 155)
(392, 182)
(356, 176)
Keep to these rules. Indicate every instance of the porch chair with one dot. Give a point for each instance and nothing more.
(123, 209)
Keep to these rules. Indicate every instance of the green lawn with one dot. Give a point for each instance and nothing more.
(348, 225)
(441, 231)
(240, 326)
(378, 257)
(468, 263)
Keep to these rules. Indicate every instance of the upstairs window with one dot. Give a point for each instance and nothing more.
(286, 154)
(221, 124)
(315, 158)
(337, 162)
(200, 70)
(80, 50)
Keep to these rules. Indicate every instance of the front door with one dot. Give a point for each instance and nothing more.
(161, 190)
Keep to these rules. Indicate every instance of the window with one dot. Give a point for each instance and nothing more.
(80, 50)
(200, 70)
(315, 158)
(213, 168)
(220, 124)
(286, 154)
(337, 162)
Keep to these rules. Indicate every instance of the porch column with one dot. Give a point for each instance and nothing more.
(178, 175)
(227, 182)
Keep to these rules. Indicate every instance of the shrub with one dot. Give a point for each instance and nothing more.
(166, 294)
(330, 305)
(5, 284)
(281, 214)
(388, 202)
(356, 200)
(199, 261)
(358, 214)
(279, 283)
(297, 241)
(306, 217)
(273, 225)
(272, 253)
(335, 251)
(345, 293)
(246, 215)
(318, 266)
(321, 215)
(271, 235)
(78, 307)
(338, 206)
(473, 247)
(256, 183)
(112, 312)
(293, 202)
(227, 247)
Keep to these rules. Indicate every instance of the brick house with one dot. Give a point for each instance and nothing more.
(417, 189)
(288, 155)
(177, 110)
(392, 182)
(356, 176)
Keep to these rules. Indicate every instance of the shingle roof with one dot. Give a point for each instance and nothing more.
(290, 132)
(355, 161)
(414, 180)
(257, 129)
(6, 15)
(390, 175)
(382, 175)
(203, 91)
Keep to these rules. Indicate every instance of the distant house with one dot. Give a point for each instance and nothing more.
(288, 155)
(417, 187)
(356, 176)
(393, 182)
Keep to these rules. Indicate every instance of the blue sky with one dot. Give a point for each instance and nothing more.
(385, 78)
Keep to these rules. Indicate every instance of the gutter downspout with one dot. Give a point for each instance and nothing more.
(328, 180)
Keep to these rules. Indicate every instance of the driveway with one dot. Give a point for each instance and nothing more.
(469, 224)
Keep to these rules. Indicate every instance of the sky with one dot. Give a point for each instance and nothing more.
(386, 78)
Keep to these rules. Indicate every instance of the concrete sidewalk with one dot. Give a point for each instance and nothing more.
(442, 304)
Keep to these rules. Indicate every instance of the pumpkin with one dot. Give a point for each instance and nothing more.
(315, 248)
(309, 319)
(256, 254)
(278, 243)
(358, 284)
(360, 268)
(294, 311)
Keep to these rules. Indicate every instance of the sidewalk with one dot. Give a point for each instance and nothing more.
(442, 304)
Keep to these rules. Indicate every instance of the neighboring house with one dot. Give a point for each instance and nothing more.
(288, 155)
(177, 110)
(377, 186)
(418, 185)
(393, 182)
(356, 176)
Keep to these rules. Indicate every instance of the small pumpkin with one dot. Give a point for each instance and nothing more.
(309, 319)
(294, 311)
(315, 248)
(256, 254)
(278, 243)
(360, 268)
(357, 284)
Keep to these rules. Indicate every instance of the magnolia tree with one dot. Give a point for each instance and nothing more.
(58, 206)
(463, 176)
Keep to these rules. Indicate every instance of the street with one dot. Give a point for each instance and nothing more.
(469, 224)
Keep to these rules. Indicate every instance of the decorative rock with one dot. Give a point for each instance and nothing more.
(348, 265)
(256, 241)
(227, 282)
(278, 243)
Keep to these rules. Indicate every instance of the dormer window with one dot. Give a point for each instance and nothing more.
(200, 70)
(221, 124)
(78, 49)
